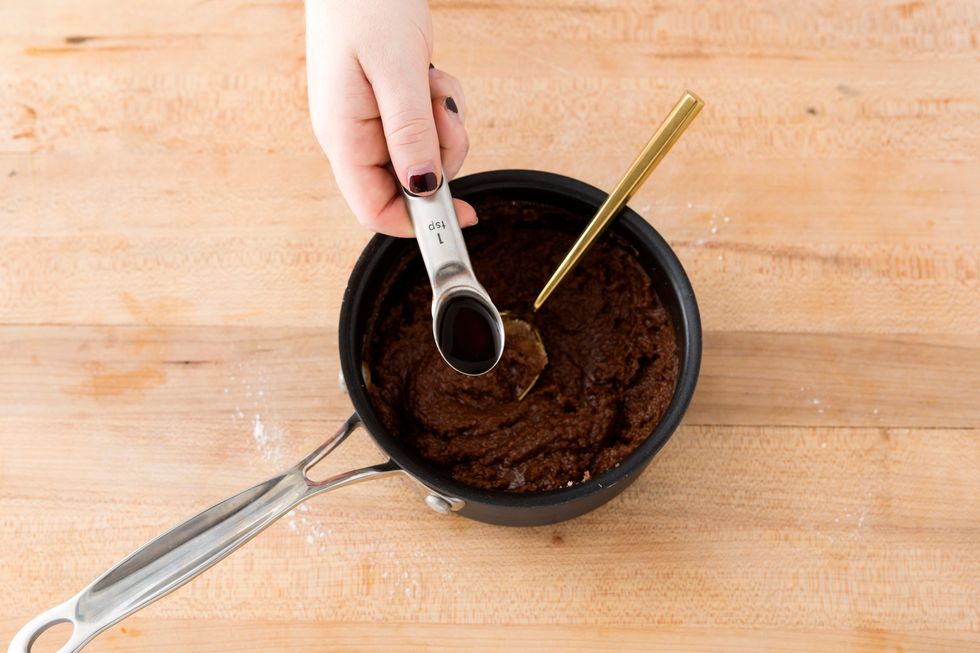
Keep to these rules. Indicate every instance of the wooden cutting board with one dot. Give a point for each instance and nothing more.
(173, 251)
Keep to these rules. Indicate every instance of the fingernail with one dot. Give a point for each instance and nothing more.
(451, 105)
(431, 66)
(421, 180)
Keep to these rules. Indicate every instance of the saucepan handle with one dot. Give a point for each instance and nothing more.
(167, 562)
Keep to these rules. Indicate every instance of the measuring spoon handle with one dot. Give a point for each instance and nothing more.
(440, 239)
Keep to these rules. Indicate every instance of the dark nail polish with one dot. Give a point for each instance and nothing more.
(431, 66)
(422, 183)
(451, 105)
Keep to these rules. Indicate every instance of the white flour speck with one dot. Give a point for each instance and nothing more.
(258, 433)
(268, 440)
(727, 218)
(823, 445)
(255, 398)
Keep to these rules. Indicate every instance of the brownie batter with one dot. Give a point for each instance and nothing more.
(611, 370)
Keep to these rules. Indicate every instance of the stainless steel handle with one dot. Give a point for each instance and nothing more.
(440, 239)
(172, 559)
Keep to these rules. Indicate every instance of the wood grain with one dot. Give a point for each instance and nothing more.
(747, 378)
(733, 526)
(173, 252)
(255, 637)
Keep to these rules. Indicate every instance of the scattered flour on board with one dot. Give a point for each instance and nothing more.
(299, 520)
(268, 439)
(713, 226)
(402, 577)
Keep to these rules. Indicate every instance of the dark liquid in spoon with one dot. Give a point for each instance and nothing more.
(467, 336)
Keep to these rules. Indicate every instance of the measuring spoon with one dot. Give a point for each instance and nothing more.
(467, 327)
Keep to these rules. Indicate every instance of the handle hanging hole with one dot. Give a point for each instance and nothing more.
(349, 454)
(53, 636)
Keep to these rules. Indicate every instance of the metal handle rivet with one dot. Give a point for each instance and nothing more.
(438, 504)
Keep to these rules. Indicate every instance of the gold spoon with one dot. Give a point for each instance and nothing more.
(524, 343)
(521, 330)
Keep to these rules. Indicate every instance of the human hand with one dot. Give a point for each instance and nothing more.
(376, 104)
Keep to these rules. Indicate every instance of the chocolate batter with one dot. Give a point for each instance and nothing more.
(612, 359)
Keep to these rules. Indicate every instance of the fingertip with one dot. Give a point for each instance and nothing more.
(454, 141)
(423, 180)
(442, 84)
(465, 213)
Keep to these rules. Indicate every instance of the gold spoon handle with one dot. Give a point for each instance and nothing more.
(653, 153)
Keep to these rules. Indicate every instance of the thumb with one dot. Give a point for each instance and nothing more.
(405, 104)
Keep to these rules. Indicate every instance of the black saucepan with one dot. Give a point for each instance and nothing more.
(508, 508)
(172, 559)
